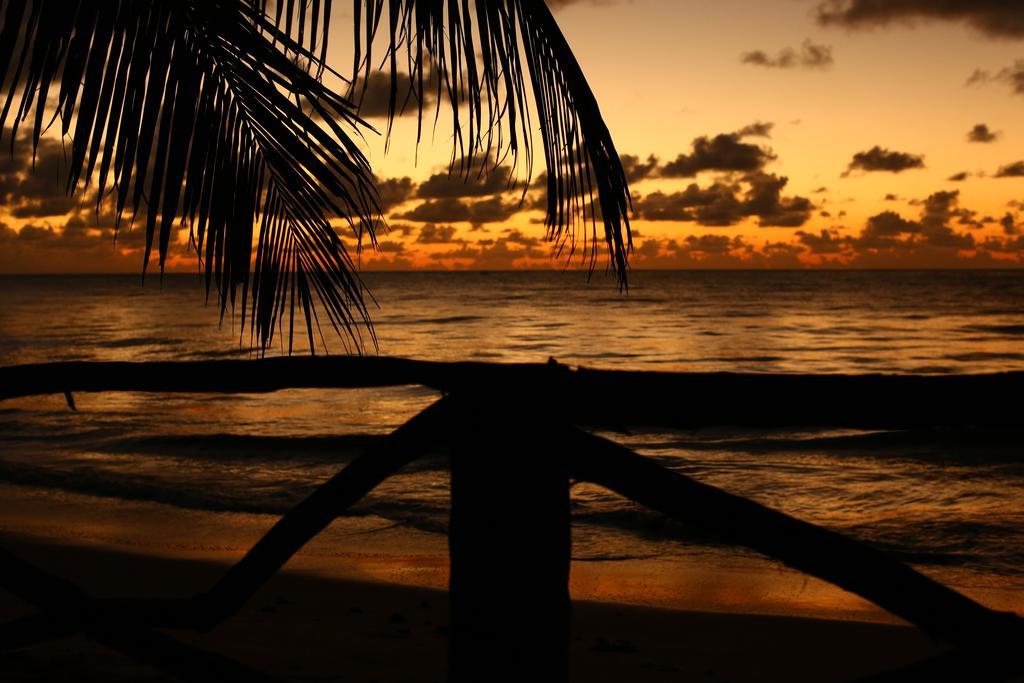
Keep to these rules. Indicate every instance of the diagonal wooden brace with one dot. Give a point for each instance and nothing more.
(939, 611)
(242, 580)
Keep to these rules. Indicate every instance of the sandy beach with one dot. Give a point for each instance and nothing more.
(373, 616)
(303, 627)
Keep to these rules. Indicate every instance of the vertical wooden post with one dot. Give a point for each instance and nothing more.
(510, 544)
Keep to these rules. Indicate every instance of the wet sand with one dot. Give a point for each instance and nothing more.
(358, 605)
(305, 627)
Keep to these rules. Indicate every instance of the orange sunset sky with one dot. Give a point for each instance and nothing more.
(756, 133)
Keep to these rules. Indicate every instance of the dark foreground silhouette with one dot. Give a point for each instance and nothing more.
(534, 416)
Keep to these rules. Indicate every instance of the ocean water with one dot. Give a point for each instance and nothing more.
(949, 501)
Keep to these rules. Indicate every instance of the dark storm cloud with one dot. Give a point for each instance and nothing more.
(879, 159)
(809, 56)
(724, 152)
(723, 204)
(982, 133)
(1001, 18)
(1014, 170)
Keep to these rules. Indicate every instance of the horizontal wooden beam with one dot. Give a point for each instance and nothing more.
(602, 398)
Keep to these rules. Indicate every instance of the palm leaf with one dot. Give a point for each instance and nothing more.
(208, 114)
(487, 58)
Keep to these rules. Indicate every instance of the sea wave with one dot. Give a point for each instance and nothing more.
(946, 444)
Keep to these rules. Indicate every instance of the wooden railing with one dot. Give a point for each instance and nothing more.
(518, 434)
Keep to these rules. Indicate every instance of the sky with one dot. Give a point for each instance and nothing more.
(755, 134)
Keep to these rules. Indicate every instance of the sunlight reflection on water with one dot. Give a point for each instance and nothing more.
(957, 510)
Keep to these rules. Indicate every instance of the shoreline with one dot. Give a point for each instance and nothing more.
(350, 607)
(374, 549)
(301, 626)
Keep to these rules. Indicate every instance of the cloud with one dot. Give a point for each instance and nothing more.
(637, 170)
(1014, 170)
(809, 56)
(79, 246)
(883, 230)
(36, 189)
(714, 251)
(724, 152)
(982, 133)
(436, 234)
(712, 244)
(1012, 76)
(879, 159)
(391, 247)
(499, 254)
(1010, 225)
(825, 242)
(724, 204)
(890, 231)
(998, 18)
(395, 192)
(959, 177)
(716, 205)
(454, 210)
(887, 241)
(476, 184)
(519, 237)
(374, 95)
(758, 129)
(765, 201)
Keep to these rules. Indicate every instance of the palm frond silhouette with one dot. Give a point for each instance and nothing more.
(213, 116)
